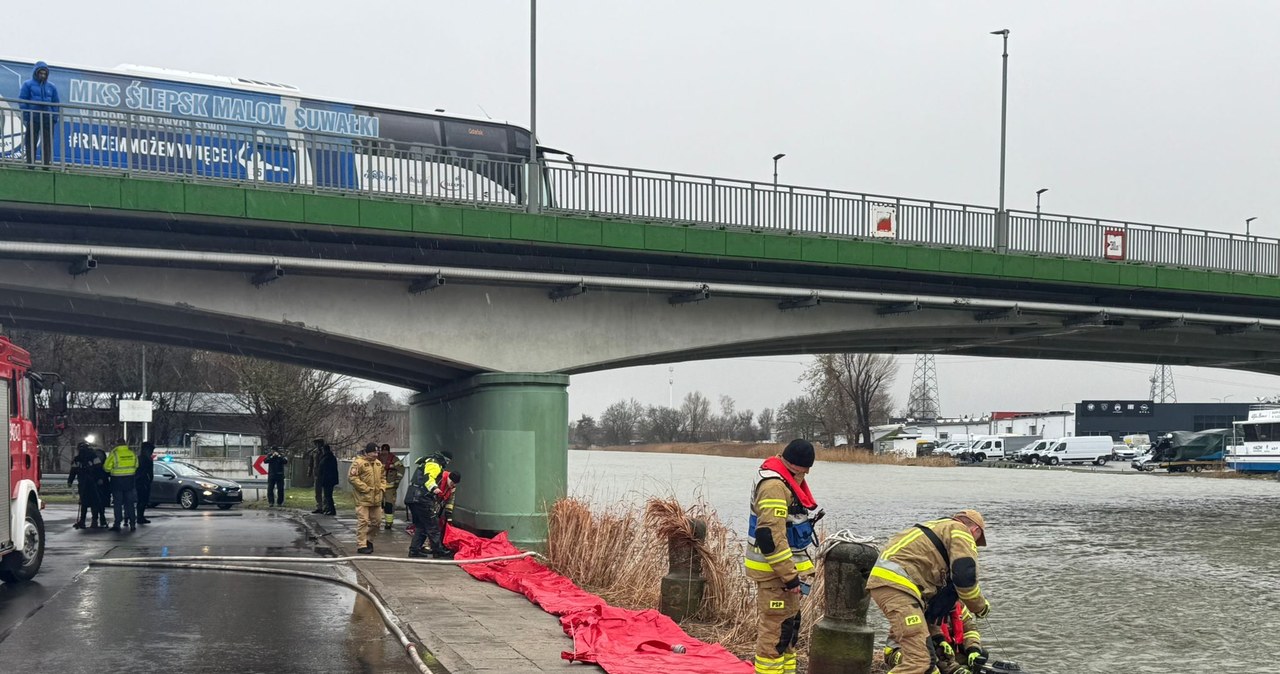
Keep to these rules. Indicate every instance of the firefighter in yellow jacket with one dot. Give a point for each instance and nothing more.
(936, 560)
(367, 485)
(779, 533)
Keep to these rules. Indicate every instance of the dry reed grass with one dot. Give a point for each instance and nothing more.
(621, 555)
(762, 450)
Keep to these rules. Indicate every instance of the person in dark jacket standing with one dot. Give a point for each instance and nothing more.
(39, 117)
(87, 467)
(327, 478)
(142, 479)
(313, 470)
(276, 461)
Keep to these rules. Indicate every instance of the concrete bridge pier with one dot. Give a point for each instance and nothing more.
(508, 433)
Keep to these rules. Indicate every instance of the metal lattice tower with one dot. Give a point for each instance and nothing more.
(924, 403)
(1162, 390)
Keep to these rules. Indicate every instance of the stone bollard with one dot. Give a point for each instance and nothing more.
(683, 586)
(841, 642)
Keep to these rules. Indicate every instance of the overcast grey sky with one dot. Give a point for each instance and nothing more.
(1161, 111)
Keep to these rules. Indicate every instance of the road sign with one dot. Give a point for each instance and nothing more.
(135, 410)
(257, 465)
(1113, 244)
(884, 221)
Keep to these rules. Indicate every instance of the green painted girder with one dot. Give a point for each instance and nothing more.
(264, 204)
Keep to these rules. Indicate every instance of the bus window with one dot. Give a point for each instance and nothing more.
(408, 131)
(477, 137)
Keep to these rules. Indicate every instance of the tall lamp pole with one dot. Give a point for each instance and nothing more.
(533, 200)
(776, 157)
(1039, 192)
(1002, 216)
(1248, 237)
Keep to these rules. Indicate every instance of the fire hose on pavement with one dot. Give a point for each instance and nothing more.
(203, 563)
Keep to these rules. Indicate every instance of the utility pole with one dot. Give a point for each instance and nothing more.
(533, 200)
(1002, 216)
(671, 382)
(146, 427)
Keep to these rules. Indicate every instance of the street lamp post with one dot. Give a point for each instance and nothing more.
(533, 199)
(1248, 237)
(1039, 192)
(776, 157)
(1002, 216)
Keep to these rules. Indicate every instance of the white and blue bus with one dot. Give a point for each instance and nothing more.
(155, 120)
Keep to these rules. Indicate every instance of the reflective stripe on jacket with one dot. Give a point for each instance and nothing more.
(771, 506)
(911, 563)
(121, 462)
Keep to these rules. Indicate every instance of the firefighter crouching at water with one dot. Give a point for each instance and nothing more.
(957, 644)
(937, 560)
(777, 558)
(367, 485)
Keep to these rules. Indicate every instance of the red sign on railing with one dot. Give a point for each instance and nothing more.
(1113, 247)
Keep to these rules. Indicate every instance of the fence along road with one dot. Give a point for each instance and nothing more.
(97, 140)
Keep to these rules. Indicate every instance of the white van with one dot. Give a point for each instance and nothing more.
(1036, 451)
(1095, 449)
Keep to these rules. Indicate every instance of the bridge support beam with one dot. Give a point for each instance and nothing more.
(508, 433)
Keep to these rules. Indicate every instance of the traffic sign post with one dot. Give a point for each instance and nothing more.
(1113, 244)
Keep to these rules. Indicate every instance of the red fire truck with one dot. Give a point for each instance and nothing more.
(21, 527)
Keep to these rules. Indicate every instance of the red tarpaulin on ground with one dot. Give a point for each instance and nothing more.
(620, 640)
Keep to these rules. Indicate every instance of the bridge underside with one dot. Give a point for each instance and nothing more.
(490, 356)
(373, 328)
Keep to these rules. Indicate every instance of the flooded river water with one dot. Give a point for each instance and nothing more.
(1103, 572)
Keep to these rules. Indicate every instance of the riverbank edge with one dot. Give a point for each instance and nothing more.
(764, 450)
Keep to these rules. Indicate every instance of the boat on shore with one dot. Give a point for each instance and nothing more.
(1258, 437)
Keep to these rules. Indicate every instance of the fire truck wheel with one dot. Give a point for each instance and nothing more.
(22, 565)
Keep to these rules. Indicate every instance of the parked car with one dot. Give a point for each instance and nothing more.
(1143, 462)
(1122, 452)
(191, 487)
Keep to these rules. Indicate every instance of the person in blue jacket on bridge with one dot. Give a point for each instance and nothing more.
(38, 115)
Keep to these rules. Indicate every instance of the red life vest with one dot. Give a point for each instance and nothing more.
(446, 487)
(953, 627)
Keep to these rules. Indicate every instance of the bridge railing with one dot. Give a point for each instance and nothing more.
(102, 139)
(89, 139)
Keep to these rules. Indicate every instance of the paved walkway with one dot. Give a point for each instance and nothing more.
(467, 624)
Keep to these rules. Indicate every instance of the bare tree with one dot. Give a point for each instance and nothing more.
(855, 387)
(619, 421)
(662, 424)
(696, 410)
(764, 420)
(800, 417)
(292, 404)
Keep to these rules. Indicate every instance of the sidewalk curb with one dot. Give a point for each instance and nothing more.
(448, 661)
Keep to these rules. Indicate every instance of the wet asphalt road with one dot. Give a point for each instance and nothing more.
(72, 619)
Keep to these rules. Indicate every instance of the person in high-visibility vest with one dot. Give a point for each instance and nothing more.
(122, 465)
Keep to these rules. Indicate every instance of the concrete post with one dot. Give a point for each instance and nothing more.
(683, 586)
(509, 437)
(841, 642)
